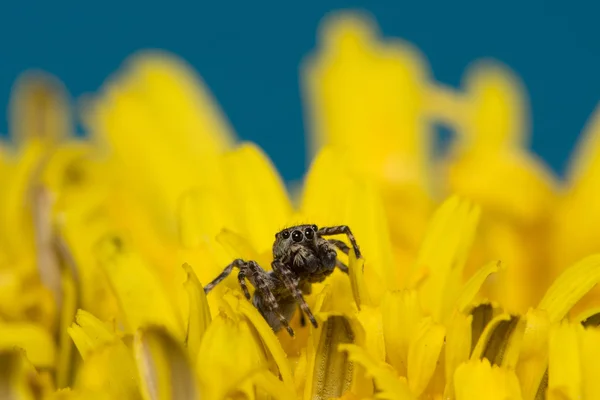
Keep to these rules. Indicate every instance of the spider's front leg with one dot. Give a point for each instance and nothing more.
(287, 277)
(262, 284)
(238, 263)
(341, 230)
(260, 280)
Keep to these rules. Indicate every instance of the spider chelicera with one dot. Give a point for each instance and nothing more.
(301, 256)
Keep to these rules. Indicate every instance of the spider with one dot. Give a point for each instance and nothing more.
(301, 257)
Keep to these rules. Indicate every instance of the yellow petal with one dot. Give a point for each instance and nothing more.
(70, 301)
(576, 218)
(37, 342)
(590, 351)
(266, 334)
(477, 379)
(18, 378)
(39, 109)
(238, 246)
(372, 323)
(470, 289)
(231, 335)
(258, 195)
(165, 369)
(89, 333)
(15, 209)
(266, 382)
(401, 314)
(458, 348)
(181, 100)
(127, 118)
(356, 84)
(570, 287)
(357, 280)
(423, 354)
(564, 363)
(482, 315)
(358, 204)
(444, 251)
(199, 315)
(142, 297)
(501, 341)
(321, 198)
(389, 385)
(202, 215)
(533, 360)
(109, 369)
(332, 373)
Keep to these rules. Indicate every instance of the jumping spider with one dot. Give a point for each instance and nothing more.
(301, 257)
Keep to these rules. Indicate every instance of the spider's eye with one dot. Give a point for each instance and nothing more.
(285, 234)
(297, 236)
(309, 233)
(315, 228)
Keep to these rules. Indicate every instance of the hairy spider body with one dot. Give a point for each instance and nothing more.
(301, 256)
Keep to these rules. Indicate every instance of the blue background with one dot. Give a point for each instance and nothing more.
(249, 54)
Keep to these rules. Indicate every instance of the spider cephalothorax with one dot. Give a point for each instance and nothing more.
(301, 256)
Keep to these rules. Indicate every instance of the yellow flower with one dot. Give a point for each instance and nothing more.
(108, 241)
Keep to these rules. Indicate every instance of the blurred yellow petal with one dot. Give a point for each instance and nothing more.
(357, 85)
(401, 315)
(570, 287)
(477, 379)
(142, 297)
(389, 385)
(39, 109)
(154, 170)
(577, 216)
(202, 216)
(423, 354)
(18, 378)
(257, 194)
(109, 369)
(321, 198)
(37, 342)
(444, 251)
(70, 301)
(181, 102)
(89, 333)
(165, 370)
(358, 204)
(366, 216)
(199, 314)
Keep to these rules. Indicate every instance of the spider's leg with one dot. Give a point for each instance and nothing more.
(236, 263)
(306, 288)
(288, 280)
(302, 317)
(340, 245)
(242, 280)
(341, 230)
(341, 266)
(260, 281)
